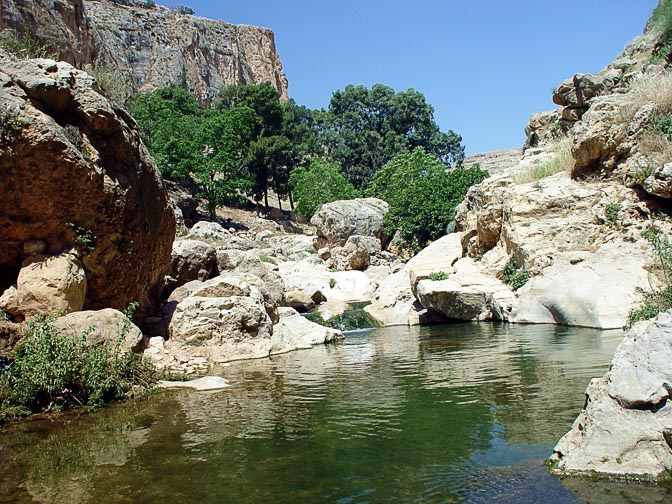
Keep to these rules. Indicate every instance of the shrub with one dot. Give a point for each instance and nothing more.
(10, 124)
(183, 9)
(26, 47)
(438, 275)
(111, 83)
(422, 195)
(661, 20)
(657, 300)
(561, 161)
(56, 371)
(332, 283)
(611, 211)
(321, 182)
(267, 259)
(514, 275)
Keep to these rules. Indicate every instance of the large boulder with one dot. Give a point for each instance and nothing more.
(75, 173)
(586, 289)
(239, 261)
(338, 220)
(625, 428)
(46, 285)
(190, 260)
(107, 327)
(356, 254)
(468, 294)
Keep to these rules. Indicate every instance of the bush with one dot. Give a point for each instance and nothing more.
(422, 195)
(514, 275)
(26, 47)
(562, 161)
(661, 20)
(267, 259)
(57, 371)
(332, 283)
(322, 182)
(438, 275)
(660, 299)
(611, 212)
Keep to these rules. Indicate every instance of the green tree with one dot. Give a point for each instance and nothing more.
(271, 158)
(364, 129)
(223, 141)
(321, 182)
(422, 195)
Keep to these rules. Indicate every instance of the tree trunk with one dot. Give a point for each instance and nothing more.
(291, 201)
(266, 199)
(279, 203)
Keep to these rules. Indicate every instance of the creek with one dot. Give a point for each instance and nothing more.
(450, 413)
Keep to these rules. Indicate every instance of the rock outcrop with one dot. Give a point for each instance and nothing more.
(625, 428)
(76, 175)
(339, 220)
(139, 46)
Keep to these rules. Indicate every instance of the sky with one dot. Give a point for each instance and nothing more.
(484, 65)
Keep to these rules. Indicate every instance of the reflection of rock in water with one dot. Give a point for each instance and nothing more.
(605, 492)
(513, 484)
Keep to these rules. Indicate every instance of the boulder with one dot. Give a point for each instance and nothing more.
(190, 260)
(586, 289)
(294, 332)
(356, 254)
(625, 428)
(47, 285)
(107, 327)
(659, 183)
(468, 294)
(338, 220)
(393, 303)
(70, 145)
(248, 262)
(299, 300)
(438, 257)
(580, 89)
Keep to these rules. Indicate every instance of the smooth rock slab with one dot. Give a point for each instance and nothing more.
(205, 383)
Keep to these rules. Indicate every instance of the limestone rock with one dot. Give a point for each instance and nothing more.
(660, 182)
(215, 235)
(438, 257)
(356, 254)
(191, 260)
(47, 285)
(580, 89)
(202, 384)
(73, 146)
(394, 304)
(586, 289)
(468, 294)
(338, 220)
(149, 46)
(299, 300)
(626, 425)
(248, 262)
(294, 332)
(108, 327)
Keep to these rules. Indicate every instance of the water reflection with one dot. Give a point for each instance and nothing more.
(458, 413)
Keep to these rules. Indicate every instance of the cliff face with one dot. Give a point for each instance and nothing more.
(145, 48)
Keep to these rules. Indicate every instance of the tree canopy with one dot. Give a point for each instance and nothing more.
(422, 195)
(365, 128)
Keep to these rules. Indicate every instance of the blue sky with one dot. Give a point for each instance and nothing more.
(485, 65)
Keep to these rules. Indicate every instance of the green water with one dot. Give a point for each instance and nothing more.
(458, 413)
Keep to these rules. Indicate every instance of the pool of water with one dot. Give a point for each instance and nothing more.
(453, 413)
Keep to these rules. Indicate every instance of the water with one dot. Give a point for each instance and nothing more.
(456, 413)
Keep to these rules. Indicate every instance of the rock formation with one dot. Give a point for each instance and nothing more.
(138, 46)
(625, 428)
(76, 176)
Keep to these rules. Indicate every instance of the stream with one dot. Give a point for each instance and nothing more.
(450, 413)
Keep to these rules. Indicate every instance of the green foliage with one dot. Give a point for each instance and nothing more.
(10, 124)
(183, 9)
(661, 20)
(26, 47)
(332, 283)
(611, 211)
(660, 299)
(321, 182)
(662, 124)
(267, 259)
(640, 176)
(514, 275)
(84, 239)
(422, 195)
(53, 370)
(364, 129)
(438, 276)
(111, 83)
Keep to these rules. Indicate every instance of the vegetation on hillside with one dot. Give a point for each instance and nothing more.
(374, 140)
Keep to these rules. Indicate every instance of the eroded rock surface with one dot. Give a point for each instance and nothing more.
(625, 428)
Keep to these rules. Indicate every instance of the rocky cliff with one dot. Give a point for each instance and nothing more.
(138, 46)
